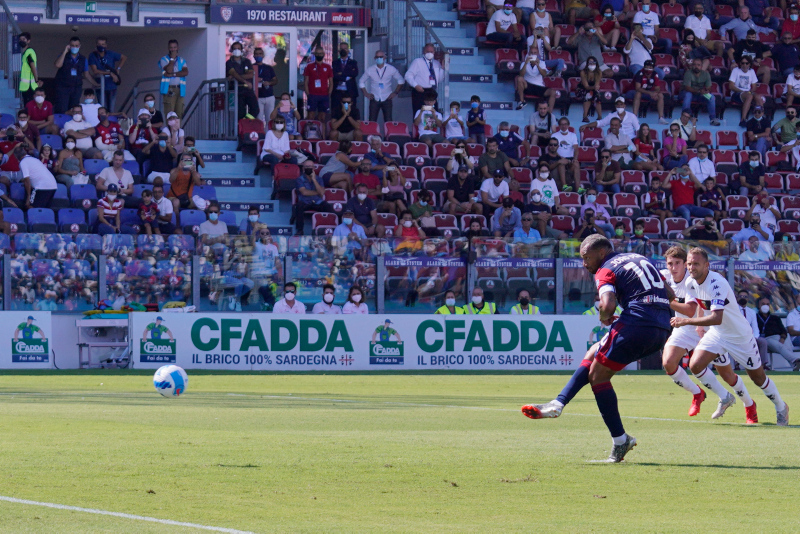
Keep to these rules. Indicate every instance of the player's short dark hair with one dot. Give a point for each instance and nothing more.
(676, 251)
(596, 242)
(699, 251)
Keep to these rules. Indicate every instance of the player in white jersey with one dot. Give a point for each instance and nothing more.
(685, 338)
(729, 332)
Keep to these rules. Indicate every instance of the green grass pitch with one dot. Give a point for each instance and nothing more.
(386, 453)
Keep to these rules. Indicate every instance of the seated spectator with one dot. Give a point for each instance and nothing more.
(493, 160)
(619, 234)
(607, 173)
(355, 304)
(508, 143)
(189, 148)
(530, 82)
(526, 233)
(682, 182)
(148, 213)
(461, 194)
(638, 239)
(183, 178)
(740, 25)
(588, 41)
(366, 177)
(759, 132)
(493, 190)
(645, 153)
(639, 49)
(588, 226)
(475, 229)
(696, 88)
(741, 84)
(276, 148)
(541, 41)
(588, 89)
(541, 125)
(762, 206)
(82, 131)
(422, 212)
(712, 198)
(174, 131)
(476, 120)
(327, 306)
(40, 185)
(429, 121)
(213, 232)
(349, 231)
(289, 302)
(379, 160)
(408, 229)
(459, 159)
(346, 121)
(141, 134)
(108, 209)
(619, 144)
(701, 166)
(28, 132)
(502, 27)
(793, 322)
(755, 252)
(755, 52)
(90, 107)
(40, 113)
(110, 137)
(543, 182)
(338, 171)
(515, 195)
(786, 54)
(771, 328)
(704, 230)
(676, 149)
(291, 116)
(117, 175)
(47, 157)
(542, 214)
(365, 212)
(646, 88)
(754, 231)
(506, 219)
(156, 118)
(166, 210)
(394, 196)
(251, 223)
(454, 127)
(751, 175)
(600, 215)
(687, 127)
(70, 163)
(161, 155)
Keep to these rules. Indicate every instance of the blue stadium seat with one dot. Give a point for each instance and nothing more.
(72, 220)
(207, 192)
(91, 218)
(138, 188)
(60, 119)
(94, 166)
(61, 198)
(5, 243)
(54, 141)
(191, 217)
(130, 216)
(18, 193)
(15, 217)
(83, 196)
(6, 120)
(132, 166)
(42, 220)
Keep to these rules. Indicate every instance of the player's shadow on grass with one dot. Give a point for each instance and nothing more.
(721, 466)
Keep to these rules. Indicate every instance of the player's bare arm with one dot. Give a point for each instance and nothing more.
(712, 319)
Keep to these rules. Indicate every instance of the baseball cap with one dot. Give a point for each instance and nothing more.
(388, 321)
(172, 114)
(144, 112)
(113, 188)
(159, 318)
(620, 99)
(30, 318)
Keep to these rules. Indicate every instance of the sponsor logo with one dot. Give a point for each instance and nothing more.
(226, 13)
(29, 344)
(342, 18)
(386, 347)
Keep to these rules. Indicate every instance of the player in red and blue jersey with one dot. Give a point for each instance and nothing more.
(642, 328)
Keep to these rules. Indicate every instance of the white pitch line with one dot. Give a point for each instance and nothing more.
(124, 516)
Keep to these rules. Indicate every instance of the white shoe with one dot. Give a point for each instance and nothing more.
(543, 411)
(238, 307)
(783, 415)
(231, 303)
(723, 405)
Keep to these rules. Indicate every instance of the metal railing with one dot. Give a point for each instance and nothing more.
(212, 112)
(142, 87)
(407, 32)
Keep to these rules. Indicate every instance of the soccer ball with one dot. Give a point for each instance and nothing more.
(170, 380)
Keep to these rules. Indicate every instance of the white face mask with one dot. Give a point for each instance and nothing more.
(70, 145)
(537, 197)
(356, 298)
(289, 296)
(765, 309)
(111, 197)
(592, 67)
(450, 302)
(407, 224)
(362, 197)
(545, 175)
(39, 99)
(328, 297)
(429, 56)
(477, 300)
(77, 117)
(279, 126)
(237, 53)
(23, 124)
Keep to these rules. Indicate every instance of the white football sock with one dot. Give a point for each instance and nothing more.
(682, 379)
(709, 380)
(620, 440)
(742, 392)
(558, 403)
(771, 391)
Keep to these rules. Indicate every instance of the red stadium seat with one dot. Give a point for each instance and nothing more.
(789, 227)
(728, 227)
(295, 145)
(773, 182)
(359, 148)
(634, 182)
(773, 158)
(624, 220)
(432, 173)
(326, 149)
(388, 220)
(466, 219)
(704, 136)
(626, 205)
(652, 227)
(674, 226)
(390, 149)
(563, 223)
(370, 128)
(727, 138)
(446, 221)
(397, 132)
(524, 176)
(324, 221)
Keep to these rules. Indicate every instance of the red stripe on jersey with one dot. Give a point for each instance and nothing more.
(604, 276)
(701, 303)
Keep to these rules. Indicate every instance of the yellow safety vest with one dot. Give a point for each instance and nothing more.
(444, 310)
(489, 308)
(518, 307)
(26, 79)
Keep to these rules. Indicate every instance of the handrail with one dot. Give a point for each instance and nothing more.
(215, 106)
(10, 17)
(130, 100)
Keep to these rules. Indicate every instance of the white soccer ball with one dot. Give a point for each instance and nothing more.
(170, 380)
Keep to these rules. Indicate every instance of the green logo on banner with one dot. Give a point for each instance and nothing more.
(26, 349)
(157, 349)
(385, 348)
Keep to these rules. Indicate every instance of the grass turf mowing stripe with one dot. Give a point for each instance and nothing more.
(122, 515)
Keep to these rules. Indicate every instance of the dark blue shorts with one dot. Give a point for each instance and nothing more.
(626, 343)
(319, 103)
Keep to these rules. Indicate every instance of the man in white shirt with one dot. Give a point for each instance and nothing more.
(763, 207)
(502, 27)
(741, 83)
(618, 143)
(567, 145)
(701, 166)
(429, 121)
(629, 124)
(750, 314)
(376, 84)
(82, 131)
(40, 184)
(288, 304)
(165, 211)
(793, 322)
(650, 26)
(700, 24)
(327, 306)
(530, 81)
(793, 86)
(756, 253)
(423, 73)
(640, 49)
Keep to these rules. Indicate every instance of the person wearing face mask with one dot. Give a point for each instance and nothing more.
(349, 232)
(240, 69)
(174, 131)
(541, 19)
(609, 25)
(289, 302)
(73, 70)
(381, 83)
(288, 111)
(526, 234)
(40, 186)
(601, 217)
(649, 21)
(524, 304)
(683, 182)
(690, 50)
(267, 80)
(29, 76)
(530, 82)
(327, 306)
(476, 120)
(793, 321)
(454, 128)
(408, 229)
(40, 113)
(762, 207)
(478, 306)
(118, 175)
(318, 86)
(70, 163)
(182, 180)
(276, 148)
(589, 41)
(103, 62)
(355, 302)
(751, 176)
(541, 213)
(508, 142)
(741, 24)
(423, 75)
(792, 86)
(587, 90)
(619, 144)
(110, 137)
(696, 87)
(173, 79)
(629, 123)
(108, 210)
(251, 222)
(80, 129)
(155, 117)
(506, 219)
(346, 121)
(310, 193)
(770, 327)
(755, 51)
(428, 121)
(502, 28)
(161, 155)
(345, 77)
(213, 232)
(449, 307)
(27, 131)
(742, 86)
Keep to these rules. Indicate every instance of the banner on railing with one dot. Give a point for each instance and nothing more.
(26, 337)
(266, 342)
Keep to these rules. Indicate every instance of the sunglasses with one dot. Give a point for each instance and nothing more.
(554, 145)
(603, 157)
(527, 219)
(289, 291)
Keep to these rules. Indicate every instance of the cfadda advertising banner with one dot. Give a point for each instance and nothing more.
(27, 337)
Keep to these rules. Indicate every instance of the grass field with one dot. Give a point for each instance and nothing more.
(385, 453)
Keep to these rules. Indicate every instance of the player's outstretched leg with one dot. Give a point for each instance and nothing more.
(769, 388)
(577, 381)
(671, 360)
(736, 382)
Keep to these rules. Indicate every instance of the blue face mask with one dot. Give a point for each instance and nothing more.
(508, 11)
(379, 61)
(258, 59)
(74, 50)
(503, 133)
(646, 8)
(423, 203)
(591, 198)
(540, 9)
(592, 30)
(753, 163)
(162, 144)
(213, 216)
(701, 160)
(252, 218)
(609, 15)
(474, 105)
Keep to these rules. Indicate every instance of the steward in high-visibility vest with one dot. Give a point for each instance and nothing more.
(481, 307)
(524, 307)
(446, 310)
